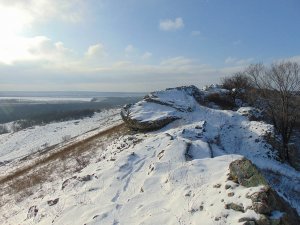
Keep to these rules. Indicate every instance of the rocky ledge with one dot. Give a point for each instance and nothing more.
(271, 208)
(160, 108)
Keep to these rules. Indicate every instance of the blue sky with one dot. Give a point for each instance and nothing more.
(140, 45)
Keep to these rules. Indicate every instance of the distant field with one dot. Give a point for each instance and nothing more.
(44, 99)
(33, 109)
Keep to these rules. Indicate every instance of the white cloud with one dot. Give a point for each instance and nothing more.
(42, 10)
(236, 61)
(146, 55)
(176, 61)
(171, 25)
(195, 33)
(96, 50)
(18, 15)
(39, 48)
(129, 49)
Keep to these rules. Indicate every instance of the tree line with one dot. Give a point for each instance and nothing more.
(276, 90)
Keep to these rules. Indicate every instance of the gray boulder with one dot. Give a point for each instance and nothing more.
(160, 108)
(265, 202)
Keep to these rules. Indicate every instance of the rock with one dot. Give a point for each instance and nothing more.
(85, 178)
(263, 220)
(147, 125)
(53, 202)
(253, 114)
(235, 207)
(230, 194)
(217, 185)
(227, 186)
(247, 220)
(244, 219)
(245, 173)
(261, 202)
(160, 108)
(32, 212)
(266, 201)
(67, 182)
(249, 223)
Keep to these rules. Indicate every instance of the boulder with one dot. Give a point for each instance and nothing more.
(32, 212)
(266, 201)
(235, 207)
(245, 173)
(160, 108)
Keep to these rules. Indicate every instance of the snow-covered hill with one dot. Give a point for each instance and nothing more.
(177, 174)
(16, 145)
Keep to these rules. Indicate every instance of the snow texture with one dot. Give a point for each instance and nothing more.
(176, 175)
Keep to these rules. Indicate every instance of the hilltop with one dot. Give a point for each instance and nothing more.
(186, 159)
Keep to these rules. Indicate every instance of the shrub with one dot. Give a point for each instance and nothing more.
(3, 129)
(225, 102)
(237, 81)
(279, 85)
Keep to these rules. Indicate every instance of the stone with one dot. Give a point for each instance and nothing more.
(227, 186)
(235, 207)
(217, 186)
(245, 173)
(85, 178)
(149, 125)
(189, 97)
(53, 202)
(244, 219)
(230, 194)
(263, 220)
(249, 223)
(266, 201)
(32, 212)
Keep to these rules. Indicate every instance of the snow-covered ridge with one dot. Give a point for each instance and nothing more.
(16, 145)
(177, 174)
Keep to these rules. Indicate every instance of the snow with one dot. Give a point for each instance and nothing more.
(19, 144)
(177, 98)
(145, 111)
(176, 175)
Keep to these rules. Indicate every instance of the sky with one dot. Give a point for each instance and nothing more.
(140, 45)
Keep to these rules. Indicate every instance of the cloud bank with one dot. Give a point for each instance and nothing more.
(171, 25)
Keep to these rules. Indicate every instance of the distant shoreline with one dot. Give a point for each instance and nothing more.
(66, 94)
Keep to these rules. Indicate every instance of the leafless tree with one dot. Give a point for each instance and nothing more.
(278, 86)
(238, 81)
(238, 84)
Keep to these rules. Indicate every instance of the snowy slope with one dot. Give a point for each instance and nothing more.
(19, 144)
(176, 175)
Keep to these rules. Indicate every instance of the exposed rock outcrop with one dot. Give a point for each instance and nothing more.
(160, 108)
(246, 174)
(272, 208)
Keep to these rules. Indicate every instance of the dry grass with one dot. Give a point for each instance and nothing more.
(20, 183)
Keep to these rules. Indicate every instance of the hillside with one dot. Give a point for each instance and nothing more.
(181, 163)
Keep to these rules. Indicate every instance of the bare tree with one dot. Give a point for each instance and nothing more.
(278, 86)
(238, 81)
(238, 84)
